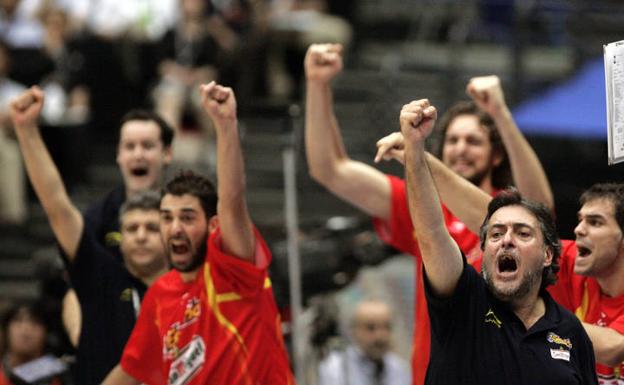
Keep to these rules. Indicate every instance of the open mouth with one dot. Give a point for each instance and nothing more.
(139, 171)
(583, 251)
(507, 264)
(180, 249)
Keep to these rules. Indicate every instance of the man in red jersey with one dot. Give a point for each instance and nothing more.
(478, 143)
(213, 319)
(591, 279)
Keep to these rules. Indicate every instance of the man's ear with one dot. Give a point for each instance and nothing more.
(168, 155)
(548, 256)
(497, 159)
(213, 224)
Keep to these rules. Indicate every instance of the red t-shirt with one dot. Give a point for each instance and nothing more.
(221, 328)
(582, 296)
(398, 232)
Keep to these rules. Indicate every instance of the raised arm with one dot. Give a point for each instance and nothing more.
(358, 183)
(464, 199)
(441, 255)
(65, 219)
(526, 168)
(608, 344)
(236, 227)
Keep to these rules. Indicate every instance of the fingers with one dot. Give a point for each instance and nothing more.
(483, 88)
(416, 112)
(33, 95)
(388, 144)
(215, 92)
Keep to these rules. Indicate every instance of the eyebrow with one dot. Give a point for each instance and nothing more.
(590, 216)
(513, 225)
(184, 210)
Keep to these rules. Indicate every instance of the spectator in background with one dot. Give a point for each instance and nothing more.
(25, 360)
(19, 26)
(63, 69)
(193, 52)
(368, 360)
(13, 207)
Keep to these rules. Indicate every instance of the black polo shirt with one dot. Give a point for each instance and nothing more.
(477, 339)
(103, 219)
(109, 298)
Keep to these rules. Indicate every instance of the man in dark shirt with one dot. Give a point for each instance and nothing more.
(503, 327)
(143, 154)
(108, 291)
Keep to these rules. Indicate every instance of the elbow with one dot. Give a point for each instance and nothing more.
(613, 355)
(323, 174)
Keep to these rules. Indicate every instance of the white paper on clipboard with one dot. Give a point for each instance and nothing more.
(614, 85)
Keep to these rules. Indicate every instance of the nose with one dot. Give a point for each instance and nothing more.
(141, 234)
(508, 239)
(176, 227)
(138, 151)
(460, 146)
(580, 229)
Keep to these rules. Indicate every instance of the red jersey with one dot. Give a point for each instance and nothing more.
(221, 328)
(582, 296)
(398, 232)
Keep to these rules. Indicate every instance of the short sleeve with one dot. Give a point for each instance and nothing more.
(443, 312)
(398, 230)
(232, 273)
(142, 356)
(91, 263)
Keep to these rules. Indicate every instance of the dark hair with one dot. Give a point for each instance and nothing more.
(187, 182)
(613, 192)
(501, 174)
(144, 200)
(166, 131)
(34, 310)
(511, 197)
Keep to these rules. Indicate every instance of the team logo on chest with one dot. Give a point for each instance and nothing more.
(171, 339)
(491, 318)
(188, 363)
(564, 345)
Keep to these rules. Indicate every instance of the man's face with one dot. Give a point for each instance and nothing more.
(372, 329)
(184, 230)
(26, 336)
(467, 149)
(598, 238)
(514, 255)
(141, 244)
(141, 155)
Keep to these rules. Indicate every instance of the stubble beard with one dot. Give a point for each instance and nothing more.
(507, 294)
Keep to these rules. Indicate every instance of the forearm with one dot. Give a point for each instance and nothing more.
(65, 219)
(608, 344)
(464, 199)
(236, 226)
(441, 256)
(324, 145)
(358, 183)
(527, 171)
(118, 376)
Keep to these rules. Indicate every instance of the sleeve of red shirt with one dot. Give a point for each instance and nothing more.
(236, 274)
(398, 230)
(142, 356)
